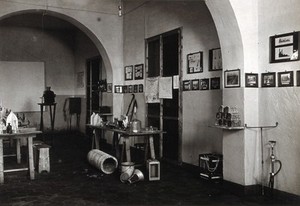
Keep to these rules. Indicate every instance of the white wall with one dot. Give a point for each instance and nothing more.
(280, 104)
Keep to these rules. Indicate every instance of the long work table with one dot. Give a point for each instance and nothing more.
(127, 134)
(28, 135)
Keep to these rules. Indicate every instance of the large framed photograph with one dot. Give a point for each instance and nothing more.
(232, 78)
(251, 80)
(215, 59)
(138, 71)
(186, 84)
(286, 79)
(195, 62)
(284, 47)
(128, 72)
(109, 87)
(195, 84)
(268, 79)
(215, 83)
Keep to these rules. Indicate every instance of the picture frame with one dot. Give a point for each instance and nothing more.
(285, 79)
(204, 84)
(130, 88)
(251, 80)
(128, 70)
(135, 88)
(109, 88)
(284, 47)
(232, 78)
(195, 62)
(298, 78)
(125, 89)
(118, 89)
(186, 84)
(141, 88)
(195, 84)
(215, 59)
(215, 83)
(139, 71)
(268, 79)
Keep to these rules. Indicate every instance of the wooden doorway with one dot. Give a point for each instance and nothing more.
(164, 60)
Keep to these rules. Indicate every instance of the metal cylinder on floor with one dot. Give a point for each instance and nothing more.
(102, 161)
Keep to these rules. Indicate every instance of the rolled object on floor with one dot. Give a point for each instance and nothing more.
(102, 161)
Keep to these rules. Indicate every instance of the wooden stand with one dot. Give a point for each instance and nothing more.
(52, 114)
(42, 157)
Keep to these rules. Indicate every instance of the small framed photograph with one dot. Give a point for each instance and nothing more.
(141, 88)
(186, 85)
(268, 79)
(130, 88)
(135, 88)
(204, 84)
(118, 89)
(138, 71)
(251, 80)
(128, 72)
(215, 59)
(195, 62)
(298, 78)
(286, 79)
(215, 83)
(125, 89)
(284, 47)
(109, 87)
(232, 78)
(195, 84)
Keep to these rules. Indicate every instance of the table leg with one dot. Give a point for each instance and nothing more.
(127, 149)
(97, 139)
(161, 142)
(146, 149)
(1, 162)
(42, 119)
(30, 154)
(152, 151)
(18, 147)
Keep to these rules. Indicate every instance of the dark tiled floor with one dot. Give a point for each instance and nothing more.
(72, 181)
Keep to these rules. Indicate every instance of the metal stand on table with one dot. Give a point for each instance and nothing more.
(262, 154)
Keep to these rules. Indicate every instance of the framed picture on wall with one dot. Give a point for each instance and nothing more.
(128, 72)
(251, 80)
(195, 62)
(215, 83)
(286, 79)
(215, 59)
(204, 84)
(141, 88)
(298, 78)
(284, 47)
(186, 84)
(130, 88)
(138, 71)
(232, 78)
(109, 87)
(195, 84)
(268, 79)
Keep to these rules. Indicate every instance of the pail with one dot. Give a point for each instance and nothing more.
(137, 176)
(127, 169)
(135, 125)
(102, 161)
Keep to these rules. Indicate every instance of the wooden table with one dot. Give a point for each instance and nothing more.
(29, 135)
(127, 134)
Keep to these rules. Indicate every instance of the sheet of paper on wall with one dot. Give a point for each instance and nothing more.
(165, 88)
(151, 90)
(176, 82)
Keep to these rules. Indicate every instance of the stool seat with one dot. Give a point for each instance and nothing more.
(42, 157)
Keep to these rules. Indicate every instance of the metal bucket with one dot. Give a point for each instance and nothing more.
(102, 161)
(137, 176)
(127, 169)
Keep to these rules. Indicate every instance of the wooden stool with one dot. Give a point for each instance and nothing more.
(42, 157)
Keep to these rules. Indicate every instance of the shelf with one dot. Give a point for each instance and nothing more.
(227, 128)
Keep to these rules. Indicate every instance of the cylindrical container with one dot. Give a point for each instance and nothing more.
(102, 161)
(137, 176)
(135, 125)
(127, 169)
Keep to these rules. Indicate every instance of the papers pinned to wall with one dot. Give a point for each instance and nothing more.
(165, 88)
(176, 82)
(151, 90)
